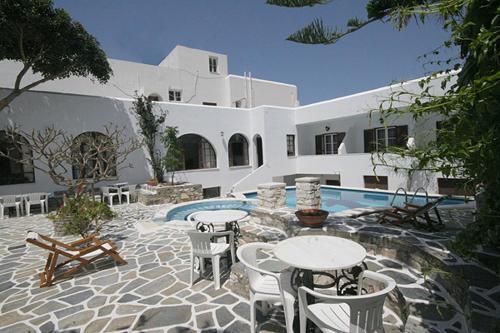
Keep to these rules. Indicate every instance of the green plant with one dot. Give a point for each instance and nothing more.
(172, 161)
(149, 124)
(47, 42)
(468, 146)
(82, 215)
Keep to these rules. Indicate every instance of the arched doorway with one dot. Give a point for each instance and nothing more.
(238, 150)
(12, 171)
(198, 153)
(94, 156)
(259, 155)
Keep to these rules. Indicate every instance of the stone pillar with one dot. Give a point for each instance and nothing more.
(271, 195)
(308, 193)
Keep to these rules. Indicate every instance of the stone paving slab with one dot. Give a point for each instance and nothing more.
(152, 293)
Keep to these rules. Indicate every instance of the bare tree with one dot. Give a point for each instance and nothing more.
(93, 157)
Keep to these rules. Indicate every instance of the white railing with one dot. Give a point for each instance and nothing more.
(260, 175)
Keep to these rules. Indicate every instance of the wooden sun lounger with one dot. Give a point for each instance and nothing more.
(413, 214)
(84, 251)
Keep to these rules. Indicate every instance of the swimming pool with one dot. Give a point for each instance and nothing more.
(183, 211)
(334, 199)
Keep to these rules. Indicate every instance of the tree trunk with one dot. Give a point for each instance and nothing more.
(4, 102)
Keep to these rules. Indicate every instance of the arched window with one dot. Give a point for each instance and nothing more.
(238, 150)
(154, 98)
(19, 168)
(198, 153)
(93, 156)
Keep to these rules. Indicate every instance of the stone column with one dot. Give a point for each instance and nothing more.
(271, 195)
(308, 193)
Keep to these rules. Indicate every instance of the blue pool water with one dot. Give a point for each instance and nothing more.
(332, 200)
(181, 213)
(337, 199)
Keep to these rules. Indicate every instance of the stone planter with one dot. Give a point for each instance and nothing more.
(162, 194)
(59, 229)
(312, 218)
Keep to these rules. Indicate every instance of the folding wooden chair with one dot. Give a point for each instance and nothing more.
(413, 214)
(84, 251)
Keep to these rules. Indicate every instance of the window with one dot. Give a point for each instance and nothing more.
(290, 145)
(209, 103)
(12, 172)
(154, 98)
(237, 104)
(212, 64)
(380, 138)
(378, 182)
(238, 150)
(94, 156)
(329, 143)
(454, 186)
(334, 182)
(174, 95)
(211, 192)
(198, 153)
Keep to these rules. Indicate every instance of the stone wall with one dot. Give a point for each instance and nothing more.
(271, 195)
(162, 194)
(308, 193)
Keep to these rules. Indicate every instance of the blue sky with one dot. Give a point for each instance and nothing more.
(253, 35)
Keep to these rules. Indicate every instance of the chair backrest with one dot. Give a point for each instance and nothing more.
(201, 241)
(35, 197)
(130, 188)
(8, 200)
(366, 311)
(247, 254)
(105, 190)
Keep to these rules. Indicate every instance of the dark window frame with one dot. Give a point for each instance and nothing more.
(238, 142)
(290, 145)
(175, 95)
(213, 64)
(21, 147)
(376, 182)
(321, 143)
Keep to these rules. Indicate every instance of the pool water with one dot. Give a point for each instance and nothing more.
(182, 212)
(332, 199)
(336, 199)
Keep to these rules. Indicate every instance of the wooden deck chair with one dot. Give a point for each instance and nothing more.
(84, 252)
(414, 214)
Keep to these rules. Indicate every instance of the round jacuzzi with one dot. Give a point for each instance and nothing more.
(182, 211)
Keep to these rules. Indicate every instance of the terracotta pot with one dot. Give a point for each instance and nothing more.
(312, 218)
(152, 182)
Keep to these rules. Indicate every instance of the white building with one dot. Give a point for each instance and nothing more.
(238, 131)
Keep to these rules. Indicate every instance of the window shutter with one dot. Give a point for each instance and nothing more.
(369, 137)
(401, 135)
(319, 145)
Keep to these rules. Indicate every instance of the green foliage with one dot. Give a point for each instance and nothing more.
(48, 42)
(149, 124)
(469, 146)
(82, 215)
(172, 161)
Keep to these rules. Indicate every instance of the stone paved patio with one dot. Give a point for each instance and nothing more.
(152, 294)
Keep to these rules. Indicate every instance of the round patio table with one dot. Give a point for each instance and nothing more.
(219, 217)
(318, 253)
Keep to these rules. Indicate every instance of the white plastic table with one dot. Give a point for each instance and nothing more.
(219, 217)
(320, 253)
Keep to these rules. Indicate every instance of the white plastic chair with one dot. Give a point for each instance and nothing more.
(106, 193)
(128, 191)
(361, 313)
(202, 248)
(35, 199)
(265, 286)
(7, 201)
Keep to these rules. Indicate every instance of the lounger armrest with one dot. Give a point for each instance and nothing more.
(84, 240)
(412, 205)
(94, 247)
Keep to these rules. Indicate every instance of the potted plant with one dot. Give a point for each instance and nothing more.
(152, 182)
(312, 218)
(81, 215)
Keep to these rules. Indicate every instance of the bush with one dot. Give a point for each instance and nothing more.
(82, 215)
